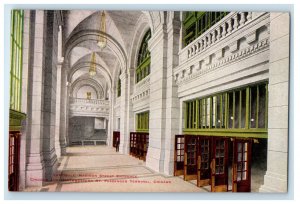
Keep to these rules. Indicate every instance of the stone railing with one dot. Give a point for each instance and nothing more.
(207, 52)
(141, 89)
(89, 101)
(89, 107)
(144, 83)
(226, 26)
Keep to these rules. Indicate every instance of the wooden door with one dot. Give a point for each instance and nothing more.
(13, 160)
(146, 144)
(219, 165)
(241, 173)
(116, 134)
(204, 159)
(134, 152)
(178, 155)
(131, 143)
(190, 157)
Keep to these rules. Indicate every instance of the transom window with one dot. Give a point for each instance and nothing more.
(240, 110)
(142, 122)
(143, 61)
(196, 23)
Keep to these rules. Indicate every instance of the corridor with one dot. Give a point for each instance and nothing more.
(101, 169)
(204, 90)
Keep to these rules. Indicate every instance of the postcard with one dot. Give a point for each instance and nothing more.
(148, 101)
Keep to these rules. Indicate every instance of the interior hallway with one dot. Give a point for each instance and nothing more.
(95, 164)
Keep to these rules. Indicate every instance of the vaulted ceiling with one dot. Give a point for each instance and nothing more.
(120, 27)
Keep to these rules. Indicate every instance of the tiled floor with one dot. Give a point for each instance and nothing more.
(101, 169)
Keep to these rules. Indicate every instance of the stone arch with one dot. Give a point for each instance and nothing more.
(141, 29)
(83, 81)
(93, 35)
(84, 64)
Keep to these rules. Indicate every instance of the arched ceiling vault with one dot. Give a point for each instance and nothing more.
(82, 68)
(86, 81)
(82, 31)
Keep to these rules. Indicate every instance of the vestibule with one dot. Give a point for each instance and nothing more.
(200, 95)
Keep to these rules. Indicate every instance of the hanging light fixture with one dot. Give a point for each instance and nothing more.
(102, 39)
(92, 70)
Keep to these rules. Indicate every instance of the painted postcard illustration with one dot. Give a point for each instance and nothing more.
(148, 101)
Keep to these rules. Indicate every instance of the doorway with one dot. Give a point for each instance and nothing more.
(222, 163)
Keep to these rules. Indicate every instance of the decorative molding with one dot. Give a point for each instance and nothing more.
(141, 89)
(89, 107)
(181, 77)
(200, 57)
(237, 21)
(140, 96)
(89, 101)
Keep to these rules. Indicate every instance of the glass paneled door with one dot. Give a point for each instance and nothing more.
(204, 159)
(190, 157)
(241, 174)
(179, 155)
(219, 165)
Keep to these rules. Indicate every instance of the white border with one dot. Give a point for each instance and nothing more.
(115, 4)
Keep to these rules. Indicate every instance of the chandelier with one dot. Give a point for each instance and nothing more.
(102, 39)
(92, 70)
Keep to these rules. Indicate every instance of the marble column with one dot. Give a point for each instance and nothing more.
(63, 107)
(35, 162)
(49, 97)
(130, 121)
(57, 119)
(59, 139)
(111, 120)
(276, 176)
(172, 101)
(158, 89)
(25, 79)
(124, 141)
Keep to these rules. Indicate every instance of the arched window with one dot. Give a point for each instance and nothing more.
(143, 61)
(196, 23)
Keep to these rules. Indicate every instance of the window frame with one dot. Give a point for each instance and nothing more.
(195, 19)
(16, 57)
(142, 121)
(119, 87)
(143, 59)
(200, 111)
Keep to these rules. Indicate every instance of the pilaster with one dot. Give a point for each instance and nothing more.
(34, 161)
(276, 177)
(124, 140)
(172, 101)
(158, 89)
(49, 105)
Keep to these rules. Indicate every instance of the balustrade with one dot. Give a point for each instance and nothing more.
(223, 28)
